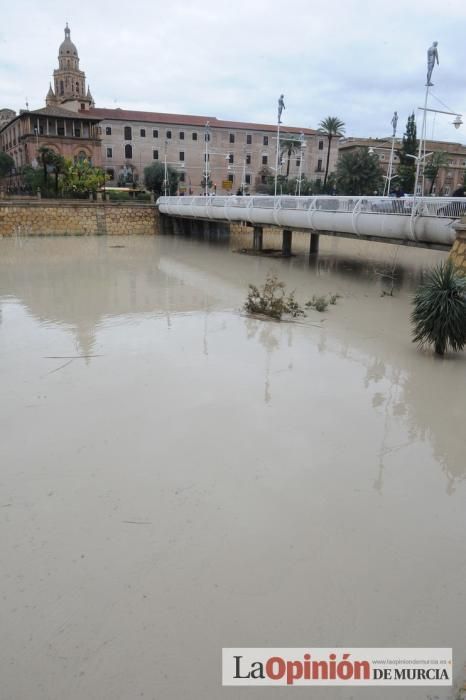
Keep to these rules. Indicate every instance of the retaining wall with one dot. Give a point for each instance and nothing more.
(76, 218)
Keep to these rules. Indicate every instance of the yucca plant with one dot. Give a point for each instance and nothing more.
(439, 315)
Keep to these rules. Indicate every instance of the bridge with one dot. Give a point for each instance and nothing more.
(427, 222)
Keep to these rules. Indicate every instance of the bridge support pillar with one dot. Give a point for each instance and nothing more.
(286, 242)
(257, 239)
(314, 246)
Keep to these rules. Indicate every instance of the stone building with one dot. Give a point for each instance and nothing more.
(238, 153)
(124, 142)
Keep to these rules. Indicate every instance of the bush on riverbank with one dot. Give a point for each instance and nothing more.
(439, 315)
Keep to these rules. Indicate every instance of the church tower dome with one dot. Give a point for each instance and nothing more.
(69, 82)
(67, 48)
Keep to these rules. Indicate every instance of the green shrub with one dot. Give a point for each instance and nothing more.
(439, 315)
(271, 300)
(118, 196)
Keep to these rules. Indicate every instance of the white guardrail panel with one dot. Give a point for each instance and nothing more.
(428, 219)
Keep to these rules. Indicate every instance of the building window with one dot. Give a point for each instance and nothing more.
(319, 165)
(248, 139)
(321, 145)
(108, 130)
(128, 151)
(194, 136)
(181, 155)
(142, 133)
(83, 106)
(206, 156)
(231, 177)
(266, 141)
(169, 134)
(231, 158)
(298, 162)
(62, 87)
(155, 155)
(182, 177)
(247, 179)
(248, 159)
(318, 181)
(127, 133)
(155, 133)
(109, 153)
(264, 179)
(111, 173)
(264, 160)
(206, 136)
(181, 135)
(232, 138)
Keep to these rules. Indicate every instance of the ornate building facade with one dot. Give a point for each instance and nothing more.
(64, 125)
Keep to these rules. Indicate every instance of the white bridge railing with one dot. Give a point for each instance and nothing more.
(427, 220)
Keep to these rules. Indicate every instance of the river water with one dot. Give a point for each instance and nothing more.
(177, 477)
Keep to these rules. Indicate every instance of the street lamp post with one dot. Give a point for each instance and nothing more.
(281, 107)
(165, 170)
(301, 158)
(206, 158)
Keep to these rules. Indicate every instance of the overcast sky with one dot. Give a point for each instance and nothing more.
(358, 60)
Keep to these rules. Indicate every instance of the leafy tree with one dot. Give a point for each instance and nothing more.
(288, 147)
(82, 178)
(358, 173)
(6, 164)
(331, 127)
(264, 180)
(409, 147)
(432, 168)
(154, 178)
(439, 315)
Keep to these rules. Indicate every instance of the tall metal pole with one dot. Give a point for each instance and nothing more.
(277, 155)
(165, 171)
(206, 159)
(301, 163)
(390, 166)
(421, 143)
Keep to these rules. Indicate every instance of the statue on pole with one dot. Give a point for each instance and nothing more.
(432, 56)
(281, 107)
(394, 123)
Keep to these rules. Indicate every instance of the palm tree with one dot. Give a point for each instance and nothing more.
(288, 147)
(439, 315)
(46, 157)
(331, 127)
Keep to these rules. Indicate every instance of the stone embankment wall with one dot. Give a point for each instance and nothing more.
(75, 218)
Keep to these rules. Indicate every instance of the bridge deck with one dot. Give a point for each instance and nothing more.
(424, 221)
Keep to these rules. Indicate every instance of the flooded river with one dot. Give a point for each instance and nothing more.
(177, 477)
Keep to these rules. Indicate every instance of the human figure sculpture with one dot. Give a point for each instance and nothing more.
(281, 107)
(432, 56)
(394, 122)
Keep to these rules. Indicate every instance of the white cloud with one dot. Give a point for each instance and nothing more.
(356, 60)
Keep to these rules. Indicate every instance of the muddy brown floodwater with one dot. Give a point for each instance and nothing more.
(177, 478)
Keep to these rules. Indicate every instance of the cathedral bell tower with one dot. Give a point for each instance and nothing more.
(69, 82)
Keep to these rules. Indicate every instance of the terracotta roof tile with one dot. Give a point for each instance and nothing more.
(188, 120)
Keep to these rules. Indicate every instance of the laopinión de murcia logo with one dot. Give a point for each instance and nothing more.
(407, 667)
